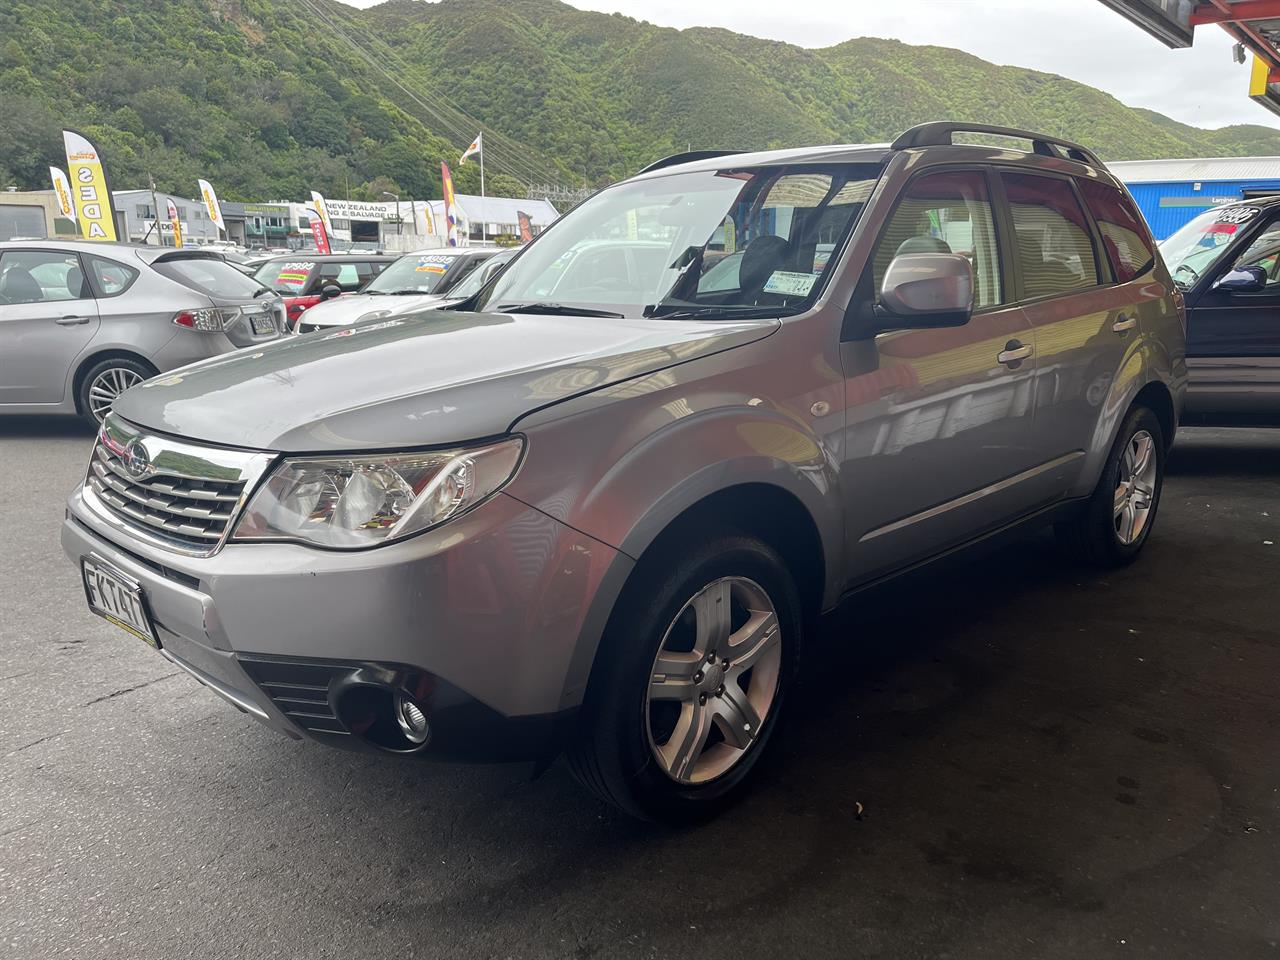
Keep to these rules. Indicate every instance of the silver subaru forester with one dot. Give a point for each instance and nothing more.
(599, 505)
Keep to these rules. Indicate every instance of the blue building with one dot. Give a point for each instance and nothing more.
(1171, 192)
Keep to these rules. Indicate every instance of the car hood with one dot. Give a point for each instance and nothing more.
(341, 311)
(434, 377)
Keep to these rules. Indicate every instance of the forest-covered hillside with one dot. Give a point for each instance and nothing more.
(272, 98)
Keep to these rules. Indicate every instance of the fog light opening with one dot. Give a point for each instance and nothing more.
(412, 720)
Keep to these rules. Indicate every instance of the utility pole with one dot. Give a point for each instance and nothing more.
(155, 211)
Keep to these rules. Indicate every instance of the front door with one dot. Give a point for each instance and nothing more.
(938, 443)
(1233, 338)
(47, 317)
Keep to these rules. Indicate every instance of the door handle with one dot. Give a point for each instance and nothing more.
(70, 321)
(1123, 325)
(1014, 352)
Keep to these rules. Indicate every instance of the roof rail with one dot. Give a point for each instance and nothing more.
(939, 133)
(687, 157)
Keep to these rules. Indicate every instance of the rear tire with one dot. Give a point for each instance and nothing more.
(1112, 526)
(105, 381)
(684, 696)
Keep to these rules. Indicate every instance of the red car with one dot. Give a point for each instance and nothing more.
(305, 279)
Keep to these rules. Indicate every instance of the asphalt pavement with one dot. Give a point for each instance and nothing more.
(1050, 762)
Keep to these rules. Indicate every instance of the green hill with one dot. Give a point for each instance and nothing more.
(272, 98)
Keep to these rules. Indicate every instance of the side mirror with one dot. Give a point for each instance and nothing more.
(329, 290)
(923, 290)
(1243, 280)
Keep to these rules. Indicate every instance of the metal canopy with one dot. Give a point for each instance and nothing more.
(1253, 23)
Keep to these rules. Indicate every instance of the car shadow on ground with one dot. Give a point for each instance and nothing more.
(50, 426)
(1207, 452)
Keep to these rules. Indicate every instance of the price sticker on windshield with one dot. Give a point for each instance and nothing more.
(1237, 215)
(789, 284)
(432, 264)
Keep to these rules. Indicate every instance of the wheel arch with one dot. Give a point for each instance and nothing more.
(88, 362)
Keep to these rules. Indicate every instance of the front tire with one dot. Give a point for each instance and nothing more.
(690, 679)
(1112, 526)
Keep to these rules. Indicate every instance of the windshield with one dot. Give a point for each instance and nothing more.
(470, 285)
(289, 277)
(416, 273)
(1193, 250)
(217, 278)
(649, 247)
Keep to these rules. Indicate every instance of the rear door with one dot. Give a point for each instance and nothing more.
(1233, 339)
(1084, 322)
(48, 315)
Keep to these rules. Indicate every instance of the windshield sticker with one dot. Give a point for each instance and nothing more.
(433, 263)
(790, 284)
(1237, 214)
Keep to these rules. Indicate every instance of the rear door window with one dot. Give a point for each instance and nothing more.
(1124, 235)
(110, 278)
(1052, 237)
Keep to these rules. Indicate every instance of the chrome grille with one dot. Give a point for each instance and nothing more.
(180, 496)
(194, 511)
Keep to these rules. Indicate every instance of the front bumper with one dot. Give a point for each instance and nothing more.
(491, 606)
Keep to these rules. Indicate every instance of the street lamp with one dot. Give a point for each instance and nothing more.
(399, 218)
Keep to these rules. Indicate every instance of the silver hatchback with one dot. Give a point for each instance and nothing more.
(602, 508)
(81, 322)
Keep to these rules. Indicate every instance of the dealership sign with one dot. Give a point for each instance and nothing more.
(355, 210)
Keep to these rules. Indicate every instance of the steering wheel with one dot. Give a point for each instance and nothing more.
(1191, 270)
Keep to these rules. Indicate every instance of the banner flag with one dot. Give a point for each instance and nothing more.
(62, 193)
(526, 226)
(211, 204)
(92, 196)
(450, 213)
(319, 234)
(322, 210)
(477, 145)
(177, 224)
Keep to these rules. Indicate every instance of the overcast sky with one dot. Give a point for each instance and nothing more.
(1080, 39)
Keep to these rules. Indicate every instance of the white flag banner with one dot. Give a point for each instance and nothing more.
(477, 145)
(211, 204)
(62, 193)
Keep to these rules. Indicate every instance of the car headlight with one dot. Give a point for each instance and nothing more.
(362, 501)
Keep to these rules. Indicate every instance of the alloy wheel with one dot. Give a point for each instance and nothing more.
(107, 386)
(714, 680)
(1135, 488)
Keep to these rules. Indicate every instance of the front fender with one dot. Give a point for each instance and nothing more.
(621, 465)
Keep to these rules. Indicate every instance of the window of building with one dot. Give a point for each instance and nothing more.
(21, 221)
(946, 212)
(1051, 236)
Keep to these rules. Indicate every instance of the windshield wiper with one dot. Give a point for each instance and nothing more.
(562, 309)
(262, 291)
(744, 311)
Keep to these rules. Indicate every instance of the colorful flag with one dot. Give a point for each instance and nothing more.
(62, 193)
(450, 211)
(526, 226)
(173, 219)
(476, 146)
(322, 211)
(92, 196)
(211, 204)
(318, 231)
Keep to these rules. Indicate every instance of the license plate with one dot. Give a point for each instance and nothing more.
(119, 600)
(264, 324)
